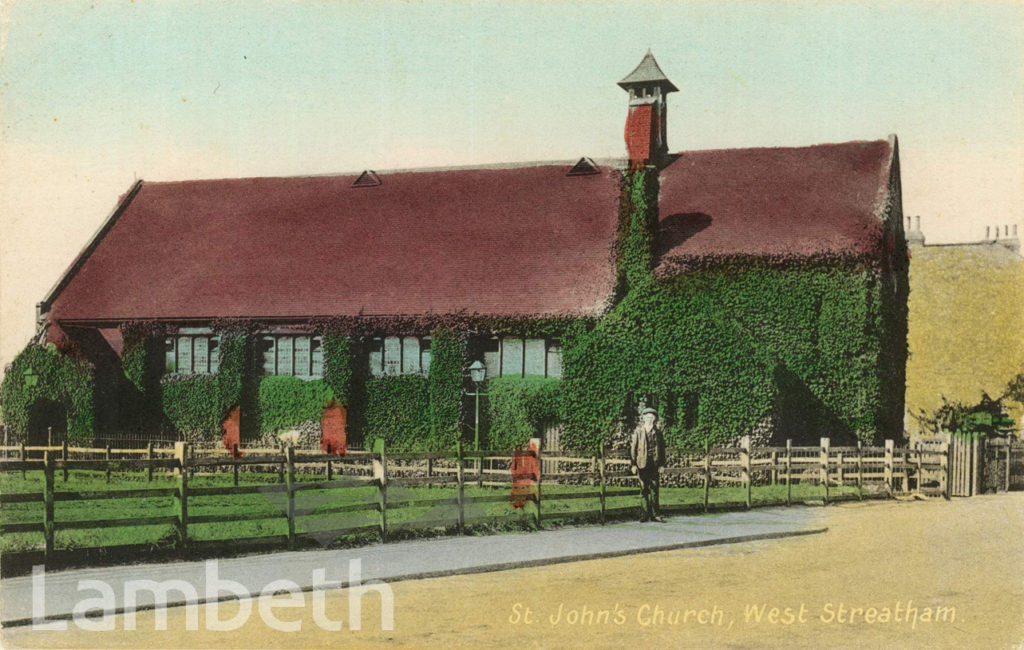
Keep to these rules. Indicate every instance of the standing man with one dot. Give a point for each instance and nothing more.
(647, 454)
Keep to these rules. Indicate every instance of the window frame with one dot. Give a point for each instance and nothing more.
(385, 347)
(173, 353)
(314, 349)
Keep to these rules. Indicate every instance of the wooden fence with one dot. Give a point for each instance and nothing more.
(872, 471)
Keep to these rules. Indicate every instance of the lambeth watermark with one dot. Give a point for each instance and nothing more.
(98, 606)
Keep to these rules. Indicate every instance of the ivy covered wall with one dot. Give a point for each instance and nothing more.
(407, 411)
(415, 412)
(44, 377)
(192, 406)
(727, 352)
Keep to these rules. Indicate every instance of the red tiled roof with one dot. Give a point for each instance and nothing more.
(524, 240)
(773, 203)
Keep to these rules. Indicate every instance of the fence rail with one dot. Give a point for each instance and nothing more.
(600, 477)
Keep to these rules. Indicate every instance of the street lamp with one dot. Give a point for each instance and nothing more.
(477, 373)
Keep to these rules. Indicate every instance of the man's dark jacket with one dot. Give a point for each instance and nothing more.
(647, 447)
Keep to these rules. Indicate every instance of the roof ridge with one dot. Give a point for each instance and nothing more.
(780, 148)
(617, 162)
(568, 163)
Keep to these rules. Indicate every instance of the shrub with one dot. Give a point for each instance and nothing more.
(518, 407)
(286, 402)
(192, 406)
(396, 412)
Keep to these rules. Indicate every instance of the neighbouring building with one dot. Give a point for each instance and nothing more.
(739, 291)
(966, 311)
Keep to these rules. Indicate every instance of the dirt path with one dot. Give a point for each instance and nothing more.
(937, 574)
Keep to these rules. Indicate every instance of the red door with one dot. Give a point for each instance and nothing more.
(232, 430)
(333, 427)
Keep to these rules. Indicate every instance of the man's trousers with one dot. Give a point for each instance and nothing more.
(649, 488)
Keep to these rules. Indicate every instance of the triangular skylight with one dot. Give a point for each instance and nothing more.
(584, 167)
(368, 178)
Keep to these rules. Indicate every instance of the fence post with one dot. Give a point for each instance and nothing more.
(947, 468)
(380, 473)
(48, 504)
(430, 465)
(150, 456)
(22, 460)
(860, 471)
(600, 473)
(461, 494)
(839, 467)
(965, 466)
(181, 455)
(920, 464)
(535, 442)
(280, 467)
(289, 458)
(64, 457)
(775, 467)
(888, 467)
(707, 472)
(789, 471)
(975, 467)
(330, 470)
(49, 436)
(905, 462)
(748, 479)
(1006, 476)
(109, 458)
(824, 465)
(234, 461)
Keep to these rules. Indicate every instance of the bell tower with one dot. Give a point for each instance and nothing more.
(646, 137)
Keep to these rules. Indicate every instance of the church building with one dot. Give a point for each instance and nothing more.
(757, 290)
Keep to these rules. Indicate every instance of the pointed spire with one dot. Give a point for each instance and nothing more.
(648, 72)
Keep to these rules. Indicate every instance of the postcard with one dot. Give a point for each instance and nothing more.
(493, 324)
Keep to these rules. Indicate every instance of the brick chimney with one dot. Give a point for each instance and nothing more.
(1009, 237)
(915, 237)
(648, 88)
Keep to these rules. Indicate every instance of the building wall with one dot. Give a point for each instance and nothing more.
(966, 313)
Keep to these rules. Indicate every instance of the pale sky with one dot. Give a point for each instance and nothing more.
(95, 95)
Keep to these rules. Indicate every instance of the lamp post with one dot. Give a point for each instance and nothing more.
(477, 373)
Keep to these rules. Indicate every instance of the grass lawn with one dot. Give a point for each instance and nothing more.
(274, 504)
